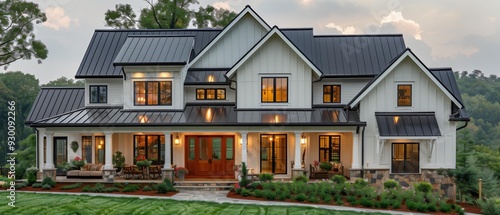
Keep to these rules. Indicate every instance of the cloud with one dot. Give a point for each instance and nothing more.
(396, 19)
(346, 30)
(56, 18)
(305, 2)
(223, 5)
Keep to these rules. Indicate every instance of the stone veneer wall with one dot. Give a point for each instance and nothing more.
(443, 184)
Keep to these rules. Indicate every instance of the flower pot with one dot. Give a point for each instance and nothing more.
(181, 175)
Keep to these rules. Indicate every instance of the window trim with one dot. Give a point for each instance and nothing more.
(205, 93)
(333, 93)
(404, 164)
(161, 159)
(397, 95)
(159, 95)
(274, 89)
(330, 149)
(98, 92)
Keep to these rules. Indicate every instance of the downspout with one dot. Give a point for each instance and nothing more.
(363, 152)
(461, 127)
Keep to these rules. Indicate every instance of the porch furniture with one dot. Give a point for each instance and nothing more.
(87, 171)
(130, 172)
(154, 172)
(317, 173)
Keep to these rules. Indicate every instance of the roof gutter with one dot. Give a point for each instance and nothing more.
(465, 125)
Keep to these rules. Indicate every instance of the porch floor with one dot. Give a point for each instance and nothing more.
(120, 179)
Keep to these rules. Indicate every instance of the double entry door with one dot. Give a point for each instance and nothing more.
(210, 156)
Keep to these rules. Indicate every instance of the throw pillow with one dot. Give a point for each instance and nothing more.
(85, 167)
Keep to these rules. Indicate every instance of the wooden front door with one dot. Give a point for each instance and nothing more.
(210, 156)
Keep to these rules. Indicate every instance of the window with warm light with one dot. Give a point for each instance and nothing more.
(329, 148)
(404, 95)
(98, 93)
(152, 147)
(152, 93)
(274, 89)
(210, 94)
(331, 94)
(405, 158)
(100, 149)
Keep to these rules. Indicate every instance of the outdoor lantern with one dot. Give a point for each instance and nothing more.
(177, 140)
(303, 139)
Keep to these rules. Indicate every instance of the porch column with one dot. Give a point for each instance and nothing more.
(298, 162)
(108, 172)
(49, 169)
(41, 155)
(167, 171)
(244, 147)
(355, 151)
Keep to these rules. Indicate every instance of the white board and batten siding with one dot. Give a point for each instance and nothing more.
(233, 45)
(349, 87)
(190, 93)
(274, 59)
(114, 87)
(426, 97)
(162, 73)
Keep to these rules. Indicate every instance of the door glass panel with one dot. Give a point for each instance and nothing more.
(229, 148)
(153, 143)
(280, 154)
(324, 149)
(87, 148)
(216, 148)
(203, 149)
(265, 152)
(61, 152)
(191, 148)
(335, 142)
(99, 149)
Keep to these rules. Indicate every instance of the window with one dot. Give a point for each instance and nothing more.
(99, 149)
(152, 147)
(87, 148)
(331, 94)
(273, 157)
(329, 148)
(405, 158)
(274, 90)
(210, 94)
(153, 93)
(404, 95)
(98, 94)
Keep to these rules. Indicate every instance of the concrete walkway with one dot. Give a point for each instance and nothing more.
(220, 197)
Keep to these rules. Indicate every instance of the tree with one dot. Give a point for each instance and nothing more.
(167, 14)
(17, 39)
(63, 81)
(27, 153)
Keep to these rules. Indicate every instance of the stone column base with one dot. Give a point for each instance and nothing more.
(108, 175)
(51, 173)
(297, 172)
(39, 175)
(167, 173)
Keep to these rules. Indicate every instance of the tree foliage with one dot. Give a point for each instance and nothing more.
(63, 81)
(167, 14)
(17, 39)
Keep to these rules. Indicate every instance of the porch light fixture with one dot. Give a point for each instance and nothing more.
(177, 140)
(303, 139)
(241, 141)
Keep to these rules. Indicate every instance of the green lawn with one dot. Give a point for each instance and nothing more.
(29, 203)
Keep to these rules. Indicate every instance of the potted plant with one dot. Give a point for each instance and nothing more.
(325, 166)
(142, 162)
(181, 172)
(77, 162)
(118, 161)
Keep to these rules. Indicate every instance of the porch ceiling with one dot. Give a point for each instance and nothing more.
(192, 115)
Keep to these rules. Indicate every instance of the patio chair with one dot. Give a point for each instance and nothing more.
(130, 172)
(154, 172)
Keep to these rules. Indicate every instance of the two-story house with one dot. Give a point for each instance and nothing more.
(210, 99)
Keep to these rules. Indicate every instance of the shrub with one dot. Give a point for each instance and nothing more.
(255, 185)
(432, 207)
(351, 200)
(170, 185)
(360, 183)
(326, 198)
(48, 181)
(446, 208)
(258, 193)
(111, 189)
(160, 188)
(301, 197)
(396, 204)
(422, 207)
(46, 187)
(244, 182)
(268, 186)
(365, 201)
(339, 202)
(98, 188)
(266, 177)
(313, 199)
(269, 194)
(424, 187)
(71, 186)
(338, 179)
(325, 166)
(489, 206)
(281, 196)
(20, 185)
(411, 205)
(390, 184)
(118, 185)
(131, 188)
(147, 188)
(300, 178)
(31, 178)
(245, 192)
(36, 185)
(385, 203)
(86, 188)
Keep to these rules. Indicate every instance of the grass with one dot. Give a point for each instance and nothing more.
(30, 203)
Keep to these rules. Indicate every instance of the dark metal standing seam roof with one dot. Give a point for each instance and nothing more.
(193, 115)
(356, 55)
(105, 45)
(52, 101)
(407, 124)
(155, 50)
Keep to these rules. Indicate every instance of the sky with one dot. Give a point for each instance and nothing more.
(464, 35)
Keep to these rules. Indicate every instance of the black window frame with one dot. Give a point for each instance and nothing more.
(205, 93)
(399, 94)
(332, 93)
(274, 90)
(330, 148)
(158, 93)
(98, 94)
(161, 159)
(273, 148)
(405, 171)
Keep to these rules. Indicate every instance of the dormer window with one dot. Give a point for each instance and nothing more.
(98, 94)
(152, 93)
(210, 94)
(404, 95)
(331, 94)
(274, 89)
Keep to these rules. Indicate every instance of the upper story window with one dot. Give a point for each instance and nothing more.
(98, 94)
(153, 93)
(331, 94)
(404, 95)
(274, 89)
(210, 94)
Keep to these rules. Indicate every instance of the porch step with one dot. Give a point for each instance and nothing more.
(204, 185)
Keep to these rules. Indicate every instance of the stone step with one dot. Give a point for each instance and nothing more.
(210, 188)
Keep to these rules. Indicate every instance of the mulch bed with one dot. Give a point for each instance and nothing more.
(79, 190)
(467, 207)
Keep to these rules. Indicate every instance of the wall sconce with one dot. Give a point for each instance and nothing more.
(177, 141)
(303, 139)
